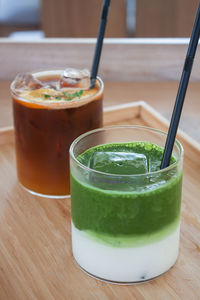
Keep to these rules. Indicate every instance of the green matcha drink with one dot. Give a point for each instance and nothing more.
(125, 210)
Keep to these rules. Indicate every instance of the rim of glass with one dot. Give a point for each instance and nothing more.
(75, 142)
(39, 74)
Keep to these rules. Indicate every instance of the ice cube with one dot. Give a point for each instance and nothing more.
(26, 81)
(75, 78)
(124, 163)
(51, 85)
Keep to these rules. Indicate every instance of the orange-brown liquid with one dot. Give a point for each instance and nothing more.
(43, 136)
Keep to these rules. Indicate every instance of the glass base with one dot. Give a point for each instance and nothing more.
(44, 195)
(122, 282)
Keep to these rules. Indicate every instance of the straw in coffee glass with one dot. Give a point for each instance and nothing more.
(99, 44)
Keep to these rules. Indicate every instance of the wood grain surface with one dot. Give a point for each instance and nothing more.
(35, 234)
(171, 18)
(121, 59)
(80, 18)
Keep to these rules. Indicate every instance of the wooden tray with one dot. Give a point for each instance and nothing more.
(35, 246)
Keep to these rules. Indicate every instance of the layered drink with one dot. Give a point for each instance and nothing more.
(125, 210)
(52, 108)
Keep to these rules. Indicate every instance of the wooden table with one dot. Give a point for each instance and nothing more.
(31, 266)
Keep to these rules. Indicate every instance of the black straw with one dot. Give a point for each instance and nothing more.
(181, 91)
(97, 54)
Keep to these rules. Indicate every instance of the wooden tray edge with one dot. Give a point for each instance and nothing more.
(145, 111)
(132, 109)
(181, 135)
(6, 135)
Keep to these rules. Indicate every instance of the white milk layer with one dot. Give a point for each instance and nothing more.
(131, 264)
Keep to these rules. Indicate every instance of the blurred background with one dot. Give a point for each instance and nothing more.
(32, 19)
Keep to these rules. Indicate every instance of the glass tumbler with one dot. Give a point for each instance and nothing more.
(125, 228)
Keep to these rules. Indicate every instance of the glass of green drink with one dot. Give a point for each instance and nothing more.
(125, 210)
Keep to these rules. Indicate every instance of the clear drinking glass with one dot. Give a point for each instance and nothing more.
(44, 131)
(125, 228)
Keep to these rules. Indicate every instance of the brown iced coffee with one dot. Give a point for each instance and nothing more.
(51, 109)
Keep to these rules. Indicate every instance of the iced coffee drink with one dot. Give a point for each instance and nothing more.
(52, 108)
